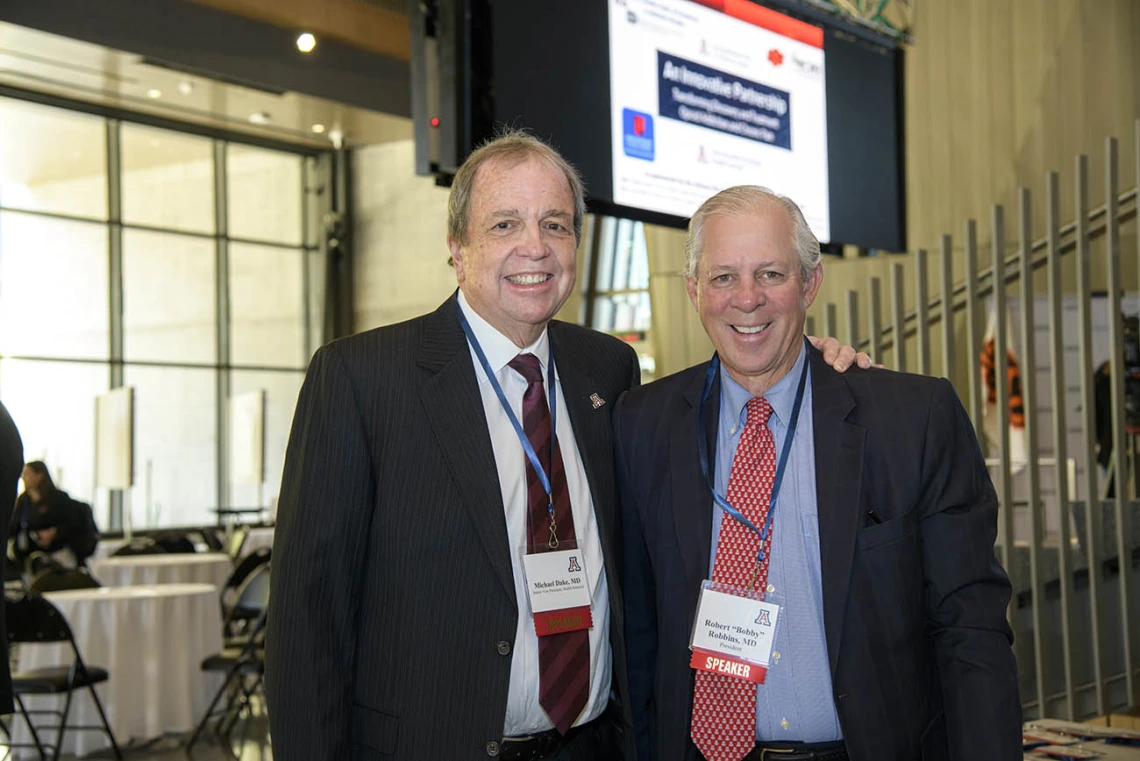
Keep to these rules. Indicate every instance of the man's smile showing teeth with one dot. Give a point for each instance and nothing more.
(750, 329)
(534, 279)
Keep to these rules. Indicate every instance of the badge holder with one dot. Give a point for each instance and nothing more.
(734, 631)
(558, 590)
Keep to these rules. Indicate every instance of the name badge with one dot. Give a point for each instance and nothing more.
(559, 591)
(733, 633)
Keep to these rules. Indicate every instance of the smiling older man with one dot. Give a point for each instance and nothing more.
(830, 535)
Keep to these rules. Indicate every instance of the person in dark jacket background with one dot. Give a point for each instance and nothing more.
(46, 519)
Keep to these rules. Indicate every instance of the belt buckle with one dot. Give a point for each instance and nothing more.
(527, 747)
(765, 751)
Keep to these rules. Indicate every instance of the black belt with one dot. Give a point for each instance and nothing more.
(539, 745)
(831, 751)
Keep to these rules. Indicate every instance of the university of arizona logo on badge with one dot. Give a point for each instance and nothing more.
(574, 567)
(763, 619)
(596, 400)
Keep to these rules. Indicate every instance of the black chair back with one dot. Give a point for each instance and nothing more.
(210, 537)
(142, 545)
(247, 616)
(31, 618)
(175, 543)
(59, 580)
(248, 565)
(253, 596)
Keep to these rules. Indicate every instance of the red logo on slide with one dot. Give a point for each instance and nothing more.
(776, 57)
(639, 125)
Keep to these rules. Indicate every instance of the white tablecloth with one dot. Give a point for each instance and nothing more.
(199, 568)
(152, 640)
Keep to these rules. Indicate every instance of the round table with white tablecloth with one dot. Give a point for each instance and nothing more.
(152, 640)
(189, 568)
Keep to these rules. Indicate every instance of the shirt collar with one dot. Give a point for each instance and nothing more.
(782, 396)
(499, 349)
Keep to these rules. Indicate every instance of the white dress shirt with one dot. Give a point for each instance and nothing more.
(524, 714)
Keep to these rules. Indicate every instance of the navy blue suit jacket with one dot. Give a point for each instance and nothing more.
(914, 606)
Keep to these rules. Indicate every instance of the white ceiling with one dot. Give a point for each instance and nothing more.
(47, 63)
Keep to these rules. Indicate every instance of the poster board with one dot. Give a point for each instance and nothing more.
(114, 438)
(247, 438)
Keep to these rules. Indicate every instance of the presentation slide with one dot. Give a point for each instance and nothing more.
(710, 94)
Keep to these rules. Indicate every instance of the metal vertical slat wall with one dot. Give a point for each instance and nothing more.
(922, 324)
(1001, 385)
(874, 321)
(853, 318)
(898, 321)
(1072, 591)
(1060, 446)
(946, 299)
(973, 327)
(1116, 375)
(1088, 409)
(1029, 400)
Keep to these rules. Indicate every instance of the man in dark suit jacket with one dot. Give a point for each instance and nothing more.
(397, 628)
(894, 644)
(11, 465)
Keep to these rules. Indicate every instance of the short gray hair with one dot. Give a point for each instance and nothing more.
(747, 199)
(515, 146)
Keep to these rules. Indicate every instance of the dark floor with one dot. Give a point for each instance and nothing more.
(248, 742)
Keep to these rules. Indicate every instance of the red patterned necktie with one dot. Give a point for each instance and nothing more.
(724, 709)
(563, 659)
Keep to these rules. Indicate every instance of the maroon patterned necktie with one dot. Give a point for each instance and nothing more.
(724, 709)
(563, 659)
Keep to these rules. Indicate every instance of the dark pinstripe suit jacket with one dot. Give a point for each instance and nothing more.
(11, 466)
(393, 606)
(914, 607)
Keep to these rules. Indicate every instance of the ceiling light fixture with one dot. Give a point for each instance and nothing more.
(306, 42)
(259, 117)
(186, 87)
(154, 93)
(319, 129)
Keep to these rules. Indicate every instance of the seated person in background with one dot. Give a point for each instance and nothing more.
(48, 520)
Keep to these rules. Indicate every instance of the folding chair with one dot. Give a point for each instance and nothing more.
(241, 572)
(32, 619)
(242, 661)
(210, 537)
(236, 541)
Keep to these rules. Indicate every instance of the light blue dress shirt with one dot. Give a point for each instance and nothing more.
(795, 702)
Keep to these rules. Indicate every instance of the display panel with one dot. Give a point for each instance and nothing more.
(708, 95)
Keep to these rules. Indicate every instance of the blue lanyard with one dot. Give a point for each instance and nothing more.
(530, 453)
(781, 466)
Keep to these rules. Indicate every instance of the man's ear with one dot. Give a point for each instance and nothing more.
(456, 257)
(811, 287)
(691, 287)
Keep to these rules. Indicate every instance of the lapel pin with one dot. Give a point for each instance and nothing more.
(596, 400)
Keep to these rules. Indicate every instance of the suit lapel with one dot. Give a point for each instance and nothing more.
(839, 471)
(454, 410)
(692, 500)
(592, 433)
